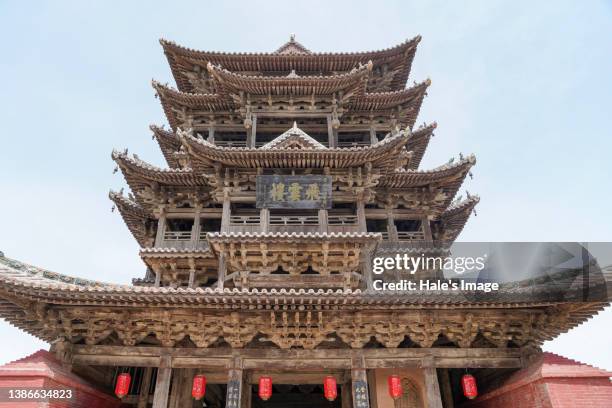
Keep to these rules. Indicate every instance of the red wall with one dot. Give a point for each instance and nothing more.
(551, 382)
(42, 371)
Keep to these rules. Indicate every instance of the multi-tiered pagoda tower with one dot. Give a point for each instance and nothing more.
(285, 171)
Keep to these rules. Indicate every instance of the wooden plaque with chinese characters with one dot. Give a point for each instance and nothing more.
(303, 192)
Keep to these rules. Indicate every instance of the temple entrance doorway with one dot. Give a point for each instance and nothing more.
(300, 390)
(295, 396)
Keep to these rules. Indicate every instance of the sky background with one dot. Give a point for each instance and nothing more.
(526, 86)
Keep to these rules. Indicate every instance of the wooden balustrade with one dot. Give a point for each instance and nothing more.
(410, 236)
(405, 235)
(177, 236)
(245, 220)
(342, 219)
(294, 220)
(354, 144)
(230, 143)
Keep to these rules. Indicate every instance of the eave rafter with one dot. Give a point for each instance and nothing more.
(140, 174)
(138, 220)
(453, 220)
(169, 145)
(176, 103)
(47, 305)
(430, 190)
(418, 142)
(189, 66)
(400, 107)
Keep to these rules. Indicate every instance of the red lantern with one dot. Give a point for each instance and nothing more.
(330, 388)
(123, 385)
(265, 388)
(468, 383)
(395, 386)
(199, 387)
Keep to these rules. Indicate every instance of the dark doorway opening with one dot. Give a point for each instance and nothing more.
(295, 396)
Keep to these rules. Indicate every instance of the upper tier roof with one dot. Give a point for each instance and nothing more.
(404, 105)
(353, 81)
(388, 153)
(292, 56)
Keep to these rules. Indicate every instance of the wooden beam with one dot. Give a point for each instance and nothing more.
(221, 359)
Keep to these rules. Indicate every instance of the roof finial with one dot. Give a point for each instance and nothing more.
(292, 37)
(295, 125)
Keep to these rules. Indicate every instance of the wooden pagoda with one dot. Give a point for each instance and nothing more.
(285, 171)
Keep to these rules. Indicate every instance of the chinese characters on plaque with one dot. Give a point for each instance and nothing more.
(302, 192)
(360, 394)
(233, 394)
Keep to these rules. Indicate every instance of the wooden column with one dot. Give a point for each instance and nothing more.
(222, 271)
(176, 388)
(253, 132)
(432, 388)
(359, 379)
(361, 219)
(143, 396)
(373, 138)
(211, 133)
(186, 400)
(426, 229)
(162, 385)
(447, 393)
(235, 387)
(345, 395)
(158, 273)
(323, 220)
(372, 387)
(331, 132)
(264, 219)
(195, 229)
(161, 228)
(391, 229)
(225, 215)
(192, 271)
(366, 258)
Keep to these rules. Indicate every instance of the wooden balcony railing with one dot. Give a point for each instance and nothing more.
(294, 220)
(230, 143)
(342, 220)
(405, 235)
(182, 240)
(410, 236)
(245, 219)
(354, 144)
(177, 236)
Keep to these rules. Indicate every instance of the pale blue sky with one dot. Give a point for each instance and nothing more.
(526, 86)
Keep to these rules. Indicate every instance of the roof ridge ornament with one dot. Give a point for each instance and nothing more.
(292, 47)
(294, 138)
